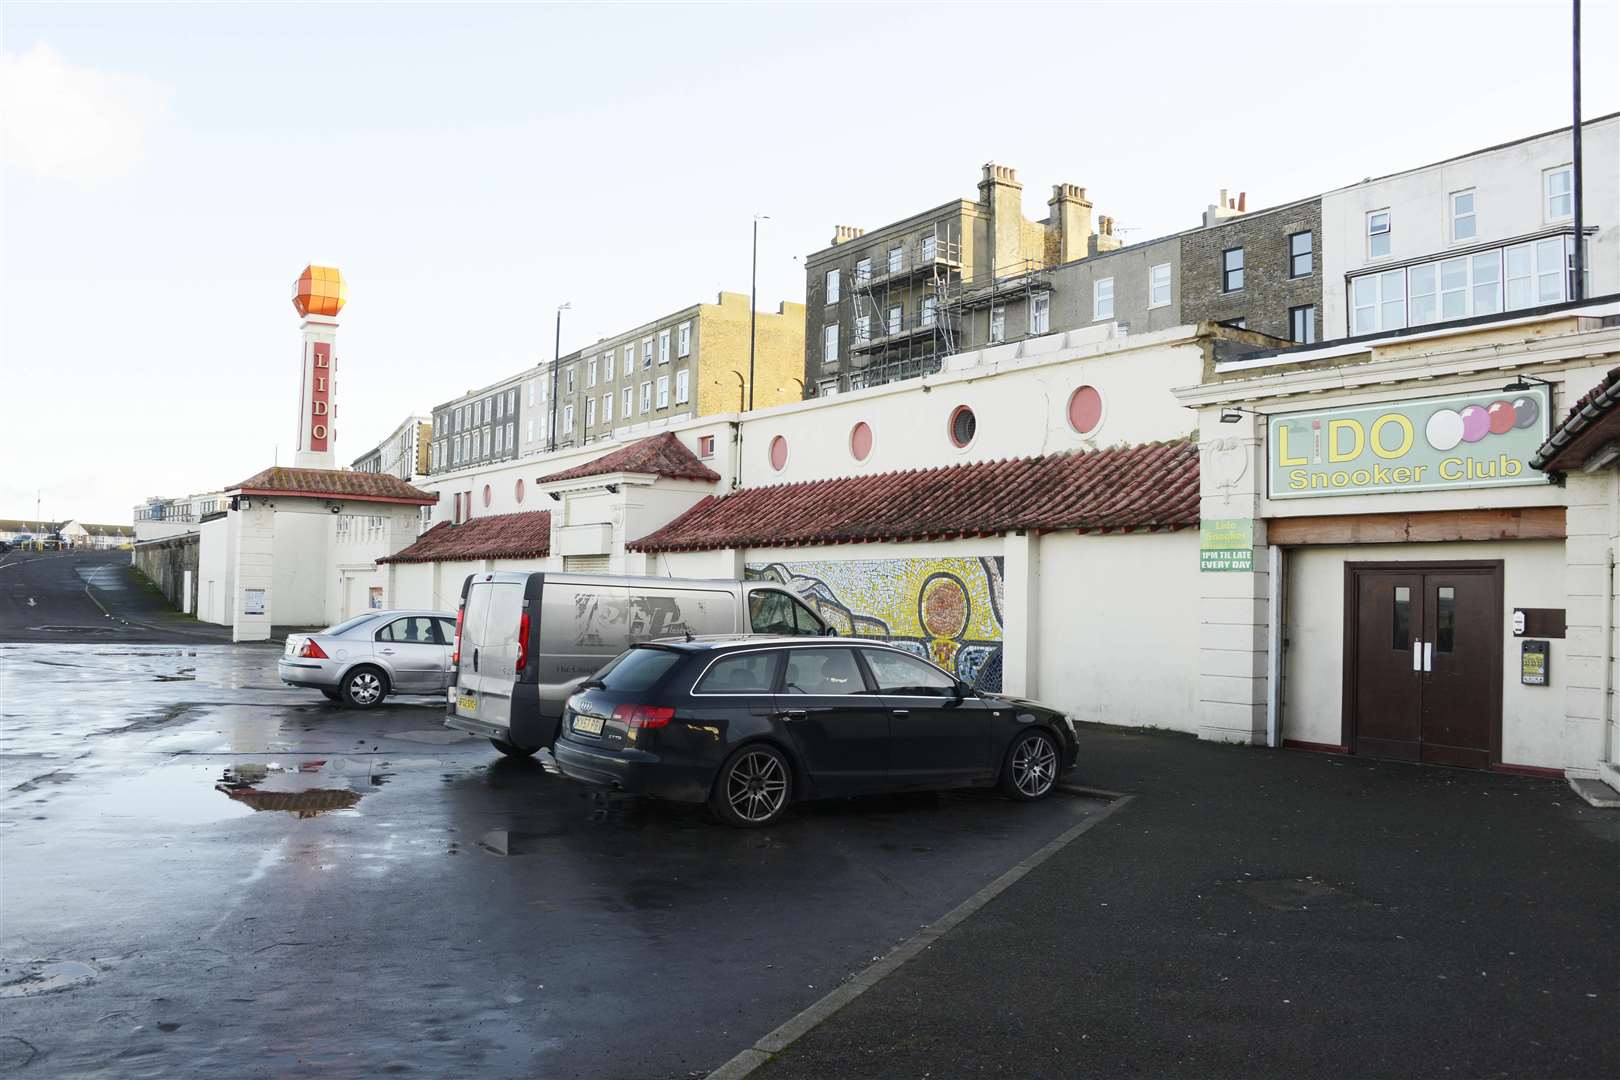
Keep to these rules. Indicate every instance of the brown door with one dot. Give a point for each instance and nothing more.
(1427, 662)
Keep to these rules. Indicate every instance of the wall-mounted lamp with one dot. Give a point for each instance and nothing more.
(612, 489)
(1523, 381)
(554, 496)
(1231, 414)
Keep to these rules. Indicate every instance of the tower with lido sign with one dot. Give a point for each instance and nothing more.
(318, 296)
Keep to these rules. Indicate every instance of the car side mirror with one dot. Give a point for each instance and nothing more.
(963, 690)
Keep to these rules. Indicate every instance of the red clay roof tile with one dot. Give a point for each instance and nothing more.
(1139, 487)
(662, 455)
(334, 483)
(502, 536)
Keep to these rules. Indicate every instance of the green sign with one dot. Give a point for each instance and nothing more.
(1226, 544)
(1430, 444)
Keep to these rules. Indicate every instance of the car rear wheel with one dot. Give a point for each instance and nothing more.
(753, 788)
(364, 688)
(1031, 768)
(512, 750)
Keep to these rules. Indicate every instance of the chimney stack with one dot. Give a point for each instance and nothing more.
(1003, 196)
(1068, 224)
(843, 234)
(1227, 207)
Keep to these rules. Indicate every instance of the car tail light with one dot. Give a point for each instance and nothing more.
(523, 642)
(455, 657)
(644, 716)
(311, 650)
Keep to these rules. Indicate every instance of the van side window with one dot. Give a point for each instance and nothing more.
(807, 622)
(770, 612)
(745, 673)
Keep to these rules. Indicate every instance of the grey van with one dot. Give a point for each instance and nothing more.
(526, 640)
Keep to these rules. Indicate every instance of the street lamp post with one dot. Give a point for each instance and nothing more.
(753, 305)
(556, 355)
(1577, 289)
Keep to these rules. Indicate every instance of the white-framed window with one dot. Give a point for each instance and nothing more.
(895, 256)
(863, 329)
(629, 403)
(477, 412)
(545, 390)
(998, 323)
(894, 318)
(646, 397)
(1533, 273)
(829, 343)
(1378, 232)
(498, 436)
(568, 420)
(489, 441)
(925, 311)
(831, 280)
(1040, 312)
(590, 372)
(528, 430)
(629, 360)
(663, 391)
(683, 386)
(1378, 302)
(511, 400)
(1102, 298)
(663, 346)
(1558, 189)
(683, 339)
(568, 380)
(1159, 285)
(930, 247)
(500, 405)
(511, 443)
(531, 393)
(1463, 221)
(607, 408)
(646, 353)
(590, 412)
(863, 272)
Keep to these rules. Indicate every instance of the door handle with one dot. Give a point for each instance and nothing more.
(1417, 656)
(902, 712)
(794, 714)
(475, 659)
(1428, 656)
(386, 652)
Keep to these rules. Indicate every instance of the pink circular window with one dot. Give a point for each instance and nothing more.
(1085, 409)
(860, 441)
(487, 494)
(778, 453)
(517, 490)
(963, 425)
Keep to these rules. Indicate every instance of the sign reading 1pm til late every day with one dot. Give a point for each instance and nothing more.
(1427, 444)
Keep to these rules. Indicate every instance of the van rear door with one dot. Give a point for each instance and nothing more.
(493, 614)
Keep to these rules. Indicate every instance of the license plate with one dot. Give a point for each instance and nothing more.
(588, 725)
(467, 703)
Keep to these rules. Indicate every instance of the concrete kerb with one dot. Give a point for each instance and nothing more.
(774, 1042)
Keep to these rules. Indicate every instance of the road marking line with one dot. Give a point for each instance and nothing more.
(774, 1042)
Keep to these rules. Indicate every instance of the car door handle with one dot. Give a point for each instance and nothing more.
(901, 712)
(475, 659)
(386, 652)
(794, 714)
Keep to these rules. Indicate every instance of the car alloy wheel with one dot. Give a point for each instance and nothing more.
(757, 786)
(1034, 765)
(365, 688)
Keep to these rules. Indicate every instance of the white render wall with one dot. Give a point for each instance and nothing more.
(1509, 203)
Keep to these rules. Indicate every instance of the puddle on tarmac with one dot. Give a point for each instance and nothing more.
(35, 977)
(298, 788)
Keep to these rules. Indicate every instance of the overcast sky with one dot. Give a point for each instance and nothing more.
(169, 169)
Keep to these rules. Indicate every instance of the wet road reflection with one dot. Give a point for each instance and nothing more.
(249, 874)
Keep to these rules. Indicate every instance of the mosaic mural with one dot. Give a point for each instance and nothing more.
(947, 610)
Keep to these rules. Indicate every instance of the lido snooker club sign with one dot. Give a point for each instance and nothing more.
(1427, 444)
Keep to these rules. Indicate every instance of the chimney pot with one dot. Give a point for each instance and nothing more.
(1243, 201)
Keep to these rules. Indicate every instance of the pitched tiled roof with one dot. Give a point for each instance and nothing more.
(1139, 487)
(503, 536)
(1592, 407)
(662, 455)
(334, 483)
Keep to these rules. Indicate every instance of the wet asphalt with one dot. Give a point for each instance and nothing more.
(205, 872)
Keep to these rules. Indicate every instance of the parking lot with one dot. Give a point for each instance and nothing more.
(206, 871)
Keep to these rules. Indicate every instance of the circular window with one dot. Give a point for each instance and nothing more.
(487, 494)
(1085, 409)
(517, 490)
(860, 441)
(963, 426)
(778, 453)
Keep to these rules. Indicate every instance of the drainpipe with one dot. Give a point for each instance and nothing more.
(1608, 623)
(736, 432)
(1274, 645)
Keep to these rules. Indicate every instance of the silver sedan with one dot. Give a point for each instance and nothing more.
(362, 661)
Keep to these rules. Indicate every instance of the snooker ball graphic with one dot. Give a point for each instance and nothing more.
(1444, 430)
(1527, 410)
(1447, 428)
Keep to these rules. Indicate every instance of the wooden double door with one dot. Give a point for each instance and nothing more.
(1423, 664)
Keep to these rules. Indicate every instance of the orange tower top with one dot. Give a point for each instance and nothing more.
(319, 290)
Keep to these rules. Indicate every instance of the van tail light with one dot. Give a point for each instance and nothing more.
(643, 716)
(311, 650)
(523, 643)
(461, 613)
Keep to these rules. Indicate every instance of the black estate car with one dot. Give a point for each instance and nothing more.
(751, 724)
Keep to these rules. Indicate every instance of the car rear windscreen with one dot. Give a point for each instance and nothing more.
(637, 669)
(350, 625)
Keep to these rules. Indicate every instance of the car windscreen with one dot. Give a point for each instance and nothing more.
(635, 670)
(343, 627)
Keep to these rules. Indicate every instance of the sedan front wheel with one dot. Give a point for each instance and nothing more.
(753, 787)
(1031, 770)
